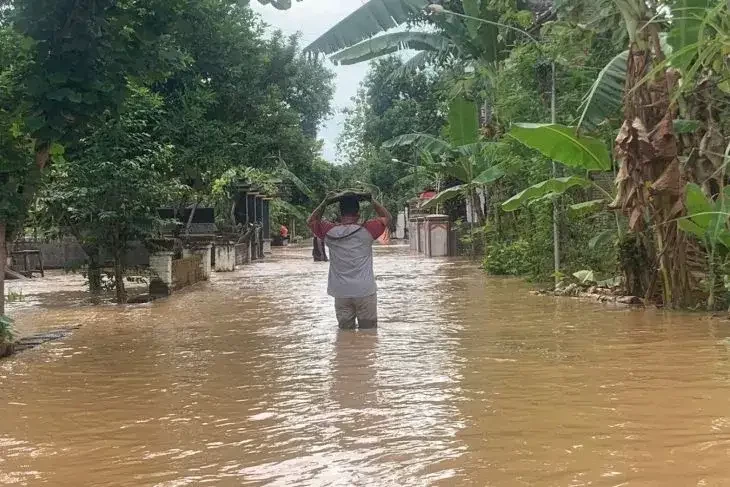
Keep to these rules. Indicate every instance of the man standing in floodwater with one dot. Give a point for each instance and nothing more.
(351, 278)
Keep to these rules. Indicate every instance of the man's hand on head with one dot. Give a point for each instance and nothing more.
(365, 196)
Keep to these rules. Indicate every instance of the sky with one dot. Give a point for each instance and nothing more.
(313, 18)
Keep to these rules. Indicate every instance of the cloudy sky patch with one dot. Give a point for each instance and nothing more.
(313, 18)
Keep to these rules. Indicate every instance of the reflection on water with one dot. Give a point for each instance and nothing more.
(246, 380)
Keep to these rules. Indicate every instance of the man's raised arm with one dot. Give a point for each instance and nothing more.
(316, 215)
(382, 212)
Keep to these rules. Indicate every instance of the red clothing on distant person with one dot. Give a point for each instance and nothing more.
(284, 231)
(322, 227)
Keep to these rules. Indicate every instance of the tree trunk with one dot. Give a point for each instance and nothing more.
(650, 183)
(119, 278)
(190, 219)
(94, 274)
(3, 258)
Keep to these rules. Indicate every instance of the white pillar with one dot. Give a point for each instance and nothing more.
(204, 252)
(421, 227)
(225, 257)
(413, 235)
(161, 268)
(400, 227)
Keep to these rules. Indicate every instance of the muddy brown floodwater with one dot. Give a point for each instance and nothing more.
(469, 381)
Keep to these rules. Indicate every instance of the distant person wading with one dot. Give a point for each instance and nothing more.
(351, 278)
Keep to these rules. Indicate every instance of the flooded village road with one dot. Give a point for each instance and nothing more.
(470, 380)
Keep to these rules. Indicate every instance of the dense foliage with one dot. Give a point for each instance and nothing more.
(649, 79)
(109, 110)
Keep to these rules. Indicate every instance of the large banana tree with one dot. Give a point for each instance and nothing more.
(650, 180)
(363, 35)
(463, 157)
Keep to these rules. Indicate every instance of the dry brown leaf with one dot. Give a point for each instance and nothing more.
(664, 141)
(670, 181)
(636, 222)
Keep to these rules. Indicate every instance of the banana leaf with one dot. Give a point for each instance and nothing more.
(560, 143)
(539, 190)
(606, 95)
(425, 142)
(372, 18)
(389, 43)
(463, 122)
(444, 196)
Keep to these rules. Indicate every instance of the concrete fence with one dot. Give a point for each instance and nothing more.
(186, 271)
(430, 235)
(67, 252)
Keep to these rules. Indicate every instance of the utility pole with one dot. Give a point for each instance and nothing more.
(556, 229)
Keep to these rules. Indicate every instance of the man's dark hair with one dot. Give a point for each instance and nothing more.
(349, 205)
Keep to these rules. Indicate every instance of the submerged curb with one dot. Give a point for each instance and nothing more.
(33, 341)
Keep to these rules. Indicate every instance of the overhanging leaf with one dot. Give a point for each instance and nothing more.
(587, 207)
(606, 94)
(372, 18)
(458, 169)
(491, 174)
(600, 239)
(539, 190)
(686, 23)
(471, 8)
(463, 122)
(415, 63)
(560, 143)
(443, 196)
(390, 43)
(425, 142)
(287, 174)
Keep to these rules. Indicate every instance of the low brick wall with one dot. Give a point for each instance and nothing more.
(186, 271)
(58, 254)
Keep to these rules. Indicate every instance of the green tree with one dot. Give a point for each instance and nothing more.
(107, 188)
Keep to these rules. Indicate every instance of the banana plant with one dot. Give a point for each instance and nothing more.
(464, 157)
(684, 44)
(363, 35)
(708, 221)
(560, 143)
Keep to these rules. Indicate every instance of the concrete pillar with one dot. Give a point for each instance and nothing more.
(204, 252)
(266, 222)
(225, 257)
(400, 226)
(437, 235)
(251, 208)
(413, 235)
(421, 230)
(161, 268)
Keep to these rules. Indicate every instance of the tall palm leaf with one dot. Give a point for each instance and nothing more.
(372, 18)
(390, 43)
(424, 142)
(606, 95)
